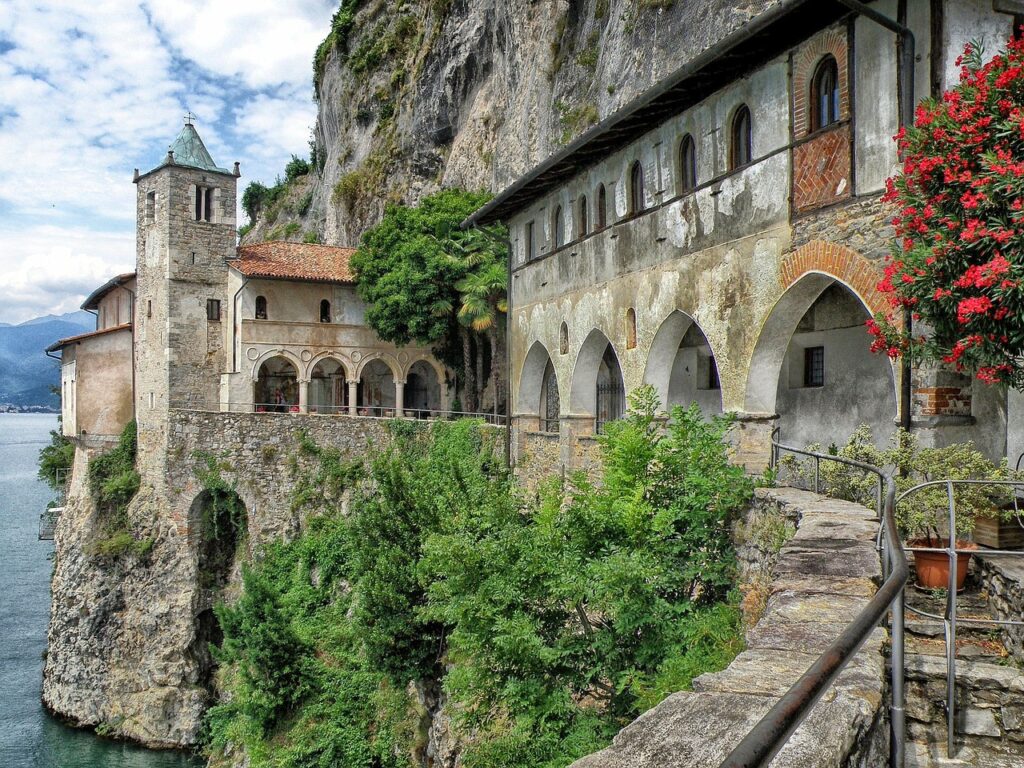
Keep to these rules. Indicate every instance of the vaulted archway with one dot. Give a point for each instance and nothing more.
(682, 367)
(597, 384)
(812, 365)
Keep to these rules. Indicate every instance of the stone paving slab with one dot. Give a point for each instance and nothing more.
(829, 585)
(771, 672)
(806, 637)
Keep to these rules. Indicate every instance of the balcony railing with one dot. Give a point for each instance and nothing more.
(338, 411)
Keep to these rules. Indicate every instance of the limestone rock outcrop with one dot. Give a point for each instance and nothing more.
(473, 93)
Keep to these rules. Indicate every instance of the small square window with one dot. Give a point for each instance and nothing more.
(814, 367)
(213, 310)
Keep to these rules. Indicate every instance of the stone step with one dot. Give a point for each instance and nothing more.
(922, 755)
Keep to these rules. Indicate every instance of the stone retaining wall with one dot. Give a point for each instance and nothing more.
(1003, 579)
(820, 580)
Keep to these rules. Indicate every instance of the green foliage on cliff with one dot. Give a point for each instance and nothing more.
(113, 483)
(548, 621)
(55, 459)
(341, 24)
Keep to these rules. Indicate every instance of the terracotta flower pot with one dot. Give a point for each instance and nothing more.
(933, 567)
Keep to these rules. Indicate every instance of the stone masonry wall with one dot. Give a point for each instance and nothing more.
(126, 649)
(822, 578)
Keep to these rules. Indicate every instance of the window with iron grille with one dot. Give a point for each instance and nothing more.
(213, 310)
(611, 392)
(814, 367)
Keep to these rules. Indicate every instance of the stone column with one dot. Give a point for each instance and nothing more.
(353, 397)
(399, 399)
(303, 396)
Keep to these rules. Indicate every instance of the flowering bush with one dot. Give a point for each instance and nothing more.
(958, 261)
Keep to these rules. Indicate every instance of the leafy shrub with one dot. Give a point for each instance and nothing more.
(295, 168)
(548, 622)
(55, 459)
(113, 483)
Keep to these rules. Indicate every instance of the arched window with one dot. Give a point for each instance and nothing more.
(558, 224)
(602, 208)
(636, 188)
(740, 144)
(584, 224)
(261, 307)
(563, 340)
(825, 94)
(687, 165)
(630, 328)
(325, 311)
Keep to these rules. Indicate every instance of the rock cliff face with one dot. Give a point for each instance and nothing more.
(122, 650)
(473, 93)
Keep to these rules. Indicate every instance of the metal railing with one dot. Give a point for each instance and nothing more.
(770, 734)
(365, 411)
(949, 618)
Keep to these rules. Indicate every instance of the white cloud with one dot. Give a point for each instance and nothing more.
(91, 91)
(52, 269)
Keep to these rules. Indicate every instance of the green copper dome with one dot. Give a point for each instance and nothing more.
(189, 150)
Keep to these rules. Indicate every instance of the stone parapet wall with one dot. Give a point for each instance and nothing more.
(821, 579)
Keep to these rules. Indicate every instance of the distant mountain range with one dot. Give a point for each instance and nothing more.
(26, 373)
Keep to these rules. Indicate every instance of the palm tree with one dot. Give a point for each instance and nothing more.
(483, 295)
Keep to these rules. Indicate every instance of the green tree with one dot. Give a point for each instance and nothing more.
(409, 266)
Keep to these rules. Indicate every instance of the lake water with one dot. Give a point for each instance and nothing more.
(29, 737)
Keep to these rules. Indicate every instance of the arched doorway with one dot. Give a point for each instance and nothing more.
(327, 390)
(277, 386)
(538, 388)
(813, 366)
(377, 390)
(422, 391)
(682, 368)
(597, 385)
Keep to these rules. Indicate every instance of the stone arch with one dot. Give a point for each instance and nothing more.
(531, 380)
(854, 382)
(388, 360)
(857, 273)
(422, 389)
(328, 391)
(276, 383)
(217, 522)
(439, 369)
(376, 391)
(285, 353)
(337, 356)
(583, 389)
(682, 366)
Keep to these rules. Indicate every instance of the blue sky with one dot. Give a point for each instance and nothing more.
(91, 90)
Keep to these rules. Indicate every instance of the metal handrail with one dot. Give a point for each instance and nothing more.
(770, 734)
(362, 411)
(949, 619)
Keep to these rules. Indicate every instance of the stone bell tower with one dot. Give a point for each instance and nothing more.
(185, 231)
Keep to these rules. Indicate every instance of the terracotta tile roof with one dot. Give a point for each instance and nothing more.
(88, 335)
(295, 261)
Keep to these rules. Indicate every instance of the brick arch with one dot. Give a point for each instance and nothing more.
(805, 61)
(861, 275)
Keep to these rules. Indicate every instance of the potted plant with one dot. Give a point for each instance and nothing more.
(923, 516)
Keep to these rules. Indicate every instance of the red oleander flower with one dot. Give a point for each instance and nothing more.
(958, 214)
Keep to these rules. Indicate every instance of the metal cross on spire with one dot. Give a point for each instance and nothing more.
(189, 117)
